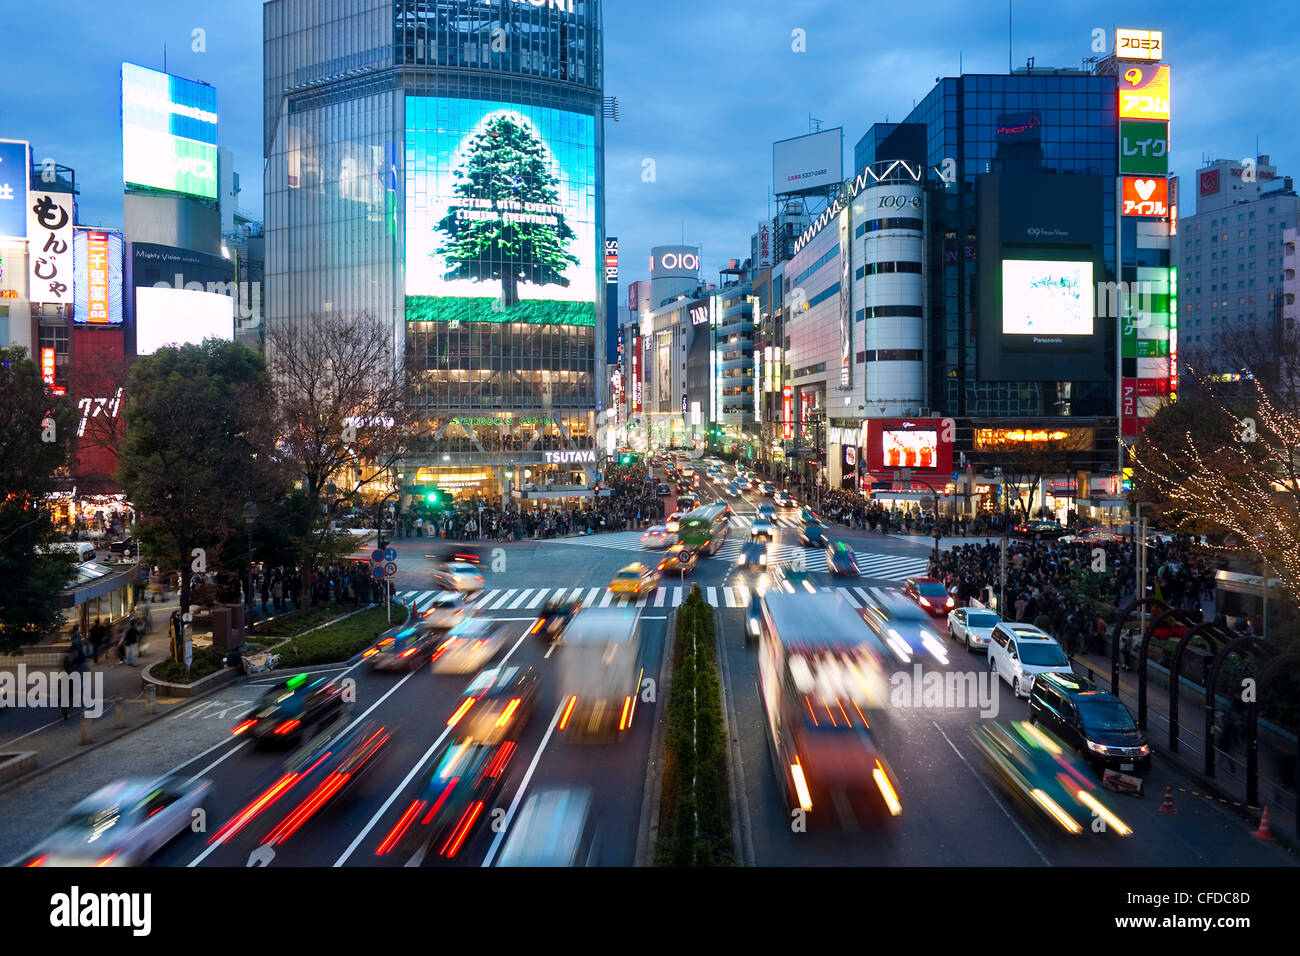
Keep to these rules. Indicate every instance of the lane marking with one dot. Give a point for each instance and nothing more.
(523, 786)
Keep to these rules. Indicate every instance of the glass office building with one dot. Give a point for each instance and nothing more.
(439, 163)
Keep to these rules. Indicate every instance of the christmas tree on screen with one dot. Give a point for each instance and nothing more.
(506, 166)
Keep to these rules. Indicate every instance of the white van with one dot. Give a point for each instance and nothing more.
(84, 550)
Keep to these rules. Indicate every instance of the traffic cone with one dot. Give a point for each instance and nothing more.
(1263, 832)
(1168, 805)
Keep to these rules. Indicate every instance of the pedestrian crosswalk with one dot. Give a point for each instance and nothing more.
(528, 600)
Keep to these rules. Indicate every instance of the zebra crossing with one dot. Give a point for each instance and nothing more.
(528, 600)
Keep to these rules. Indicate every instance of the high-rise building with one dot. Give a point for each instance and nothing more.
(439, 164)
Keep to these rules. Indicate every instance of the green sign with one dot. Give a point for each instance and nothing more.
(1144, 147)
(1152, 348)
(469, 422)
(1130, 339)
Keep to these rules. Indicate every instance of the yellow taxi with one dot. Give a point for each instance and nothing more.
(636, 579)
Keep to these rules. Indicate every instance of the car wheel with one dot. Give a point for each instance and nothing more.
(1015, 686)
(966, 640)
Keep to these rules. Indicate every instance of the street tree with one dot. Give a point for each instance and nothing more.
(36, 428)
(196, 447)
(341, 421)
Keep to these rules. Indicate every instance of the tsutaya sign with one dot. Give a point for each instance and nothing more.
(570, 457)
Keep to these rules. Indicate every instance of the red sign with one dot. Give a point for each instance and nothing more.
(921, 444)
(636, 374)
(787, 401)
(1209, 182)
(1128, 406)
(633, 297)
(47, 366)
(1153, 386)
(1146, 196)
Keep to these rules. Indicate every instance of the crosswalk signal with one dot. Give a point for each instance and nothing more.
(626, 458)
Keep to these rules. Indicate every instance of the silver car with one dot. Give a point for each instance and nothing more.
(122, 824)
(470, 646)
(658, 536)
(446, 609)
(458, 576)
(554, 828)
(761, 528)
(972, 626)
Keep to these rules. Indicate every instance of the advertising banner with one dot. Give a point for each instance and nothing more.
(1144, 93)
(1146, 197)
(49, 231)
(1139, 44)
(1144, 147)
(97, 272)
(13, 188)
(169, 132)
(808, 162)
(916, 443)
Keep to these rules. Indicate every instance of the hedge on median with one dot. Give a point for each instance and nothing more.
(339, 641)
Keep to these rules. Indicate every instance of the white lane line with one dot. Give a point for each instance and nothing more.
(523, 786)
(506, 597)
(523, 596)
(660, 594)
(199, 756)
(730, 597)
(711, 595)
(677, 597)
(992, 795)
(38, 730)
(541, 596)
(233, 751)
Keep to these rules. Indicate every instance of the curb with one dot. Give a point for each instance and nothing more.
(647, 835)
(741, 831)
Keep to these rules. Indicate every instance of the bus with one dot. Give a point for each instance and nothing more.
(704, 529)
(822, 682)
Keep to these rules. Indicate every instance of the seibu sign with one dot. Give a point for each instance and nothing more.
(587, 456)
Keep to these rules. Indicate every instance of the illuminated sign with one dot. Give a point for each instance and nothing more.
(500, 421)
(992, 438)
(1173, 334)
(49, 226)
(569, 457)
(169, 132)
(13, 188)
(94, 407)
(47, 366)
(1146, 197)
(1139, 44)
(764, 246)
(923, 444)
(1144, 147)
(787, 396)
(699, 313)
(850, 456)
(1144, 93)
(611, 261)
(636, 374)
(674, 260)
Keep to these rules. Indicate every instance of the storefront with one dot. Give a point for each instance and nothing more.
(100, 593)
(91, 516)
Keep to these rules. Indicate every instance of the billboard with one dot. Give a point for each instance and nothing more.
(890, 444)
(500, 213)
(664, 366)
(1046, 298)
(806, 163)
(96, 277)
(180, 317)
(49, 261)
(1139, 44)
(675, 262)
(636, 373)
(1144, 93)
(1146, 196)
(1144, 147)
(13, 188)
(764, 260)
(169, 132)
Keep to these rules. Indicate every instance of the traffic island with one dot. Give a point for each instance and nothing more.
(16, 764)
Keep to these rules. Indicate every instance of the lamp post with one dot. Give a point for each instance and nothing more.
(250, 518)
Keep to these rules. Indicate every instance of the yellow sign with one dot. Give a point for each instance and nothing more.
(1144, 93)
(993, 438)
(1139, 45)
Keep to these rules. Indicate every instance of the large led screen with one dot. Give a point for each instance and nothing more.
(96, 277)
(1046, 298)
(169, 132)
(500, 213)
(909, 449)
(180, 317)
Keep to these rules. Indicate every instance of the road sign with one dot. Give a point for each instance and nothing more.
(377, 572)
(390, 569)
(390, 554)
(378, 557)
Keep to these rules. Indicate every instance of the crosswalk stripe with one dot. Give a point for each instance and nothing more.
(504, 598)
(729, 597)
(591, 597)
(864, 595)
(849, 597)
(743, 592)
(609, 596)
(423, 597)
(645, 598)
(659, 596)
(711, 595)
(541, 596)
(677, 597)
(485, 596)
(523, 596)
(577, 594)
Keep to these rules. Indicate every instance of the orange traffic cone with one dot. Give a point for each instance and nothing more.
(1263, 832)
(1168, 805)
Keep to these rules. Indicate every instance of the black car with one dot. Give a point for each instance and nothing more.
(291, 707)
(753, 556)
(813, 535)
(406, 650)
(554, 618)
(663, 489)
(123, 545)
(840, 559)
(1092, 721)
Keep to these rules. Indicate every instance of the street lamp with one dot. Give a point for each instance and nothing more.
(250, 518)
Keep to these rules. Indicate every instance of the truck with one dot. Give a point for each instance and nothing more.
(600, 672)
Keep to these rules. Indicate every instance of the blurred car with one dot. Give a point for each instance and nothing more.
(635, 579)
(657, 536)
(791, 578)
(1092, 536)
(808, 516)
(461, 555)
(470, 646)
(726, 508)
(973, 626)
(840, 560)
(763, 529)
(498, 704)
(663, 489)
(904, 629)
(1020, 652)
(1095, 723)
(1037, 530)
(687, 503)
(123, 545)
(122, 824)
(767, 509)
(930, 594)
(291, 707)
(554, 618)
(754, 617)
(407, 649)
(446, 609)
(769, 489)
(679, 559)
(554, 828)
(673, 523)
(744, 483)
(753, 556)
(457, 576)
(813, 535)
(685, 487)
(733, 488)
(784, 499)
(1037, 767)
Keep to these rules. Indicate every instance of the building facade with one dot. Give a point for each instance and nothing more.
(387, 127)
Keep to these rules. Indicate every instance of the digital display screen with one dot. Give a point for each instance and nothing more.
(97, 277)
(1046, 298)
(169, 132)
(909, 449)
(500, 213)
(180, 317)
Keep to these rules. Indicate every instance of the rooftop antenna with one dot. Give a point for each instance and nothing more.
(814, 125)
(1009, 68)
(959, 66)
(164, 57)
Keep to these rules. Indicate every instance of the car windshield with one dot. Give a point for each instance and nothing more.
(1042, 654)
(1104, 713)
(631, 574)
(931, 589)
(981, 620)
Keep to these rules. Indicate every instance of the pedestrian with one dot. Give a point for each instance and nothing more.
(131, 640)
(98, 638)
(74, 662)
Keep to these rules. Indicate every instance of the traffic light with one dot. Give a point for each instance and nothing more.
(626, 458)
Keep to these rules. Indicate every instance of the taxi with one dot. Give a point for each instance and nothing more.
(636, 579)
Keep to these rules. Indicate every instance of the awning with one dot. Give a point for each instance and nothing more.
(95, 580)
